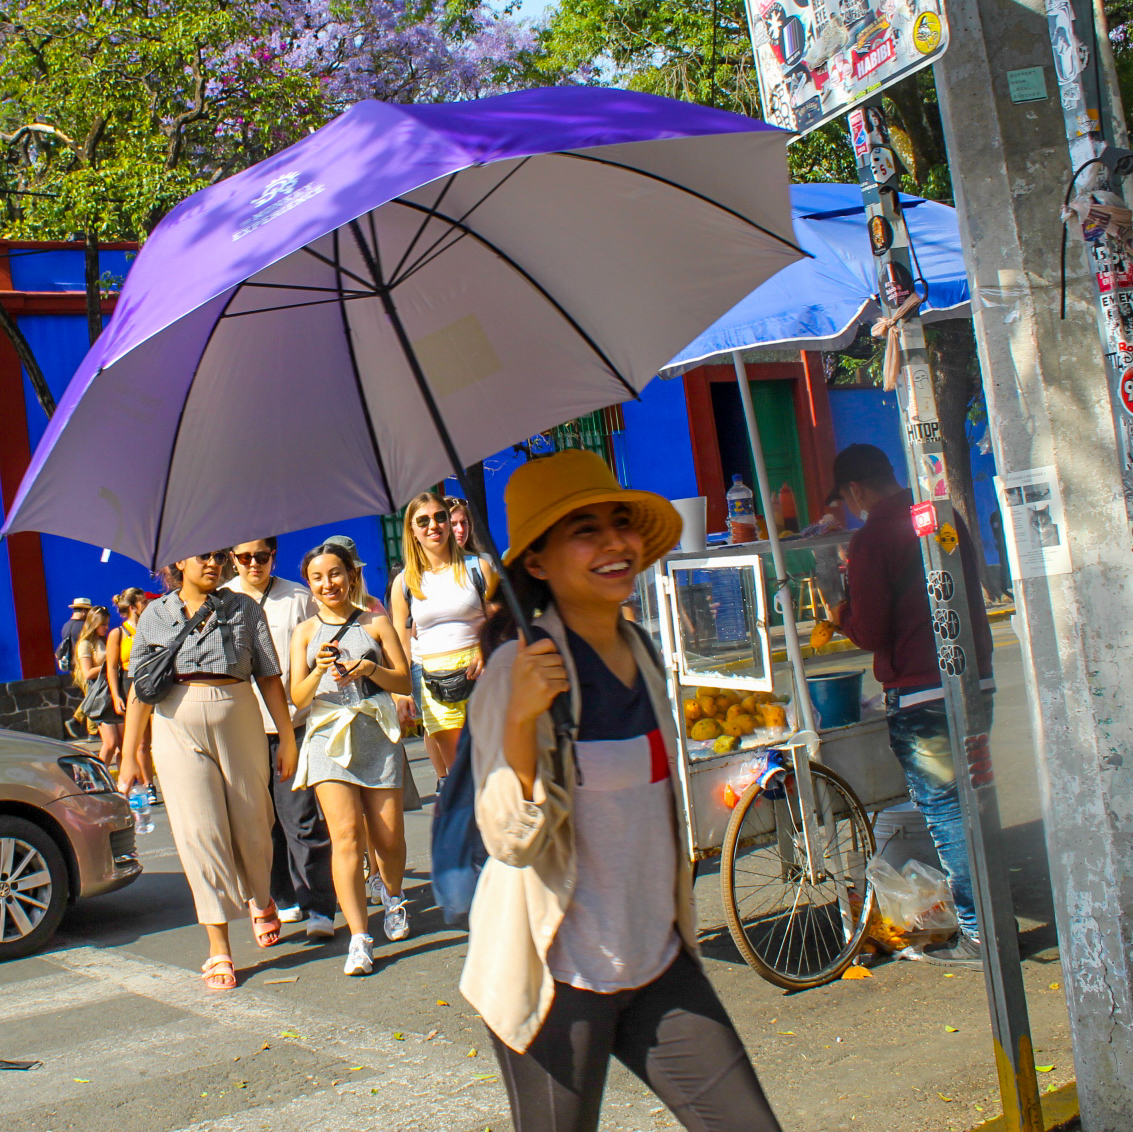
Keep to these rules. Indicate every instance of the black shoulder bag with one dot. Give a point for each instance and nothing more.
(454, 687)
(154, 674)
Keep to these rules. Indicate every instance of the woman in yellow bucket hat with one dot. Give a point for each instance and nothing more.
(583, 929)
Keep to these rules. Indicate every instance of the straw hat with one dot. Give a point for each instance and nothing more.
(81, 603)
(543, 491)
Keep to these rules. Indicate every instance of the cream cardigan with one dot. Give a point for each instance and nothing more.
(529, 877)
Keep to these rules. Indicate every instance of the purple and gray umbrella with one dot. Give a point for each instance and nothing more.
(408, 289)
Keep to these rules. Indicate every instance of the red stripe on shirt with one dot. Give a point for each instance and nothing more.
(658, 759)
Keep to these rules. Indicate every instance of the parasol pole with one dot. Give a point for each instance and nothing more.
(560, 709)
(782, 583)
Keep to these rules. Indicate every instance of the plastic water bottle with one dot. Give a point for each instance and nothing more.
(741, 511)
(139, 804)
(351, 693)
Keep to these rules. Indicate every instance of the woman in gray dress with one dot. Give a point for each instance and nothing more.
(348, 755)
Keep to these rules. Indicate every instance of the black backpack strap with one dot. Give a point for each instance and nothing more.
(208, 606)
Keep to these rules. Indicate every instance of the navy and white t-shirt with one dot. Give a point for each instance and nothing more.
(619, 931)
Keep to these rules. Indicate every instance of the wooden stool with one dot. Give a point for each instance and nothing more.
(811, 600)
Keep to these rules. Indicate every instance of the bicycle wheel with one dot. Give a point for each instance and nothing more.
(798, 932)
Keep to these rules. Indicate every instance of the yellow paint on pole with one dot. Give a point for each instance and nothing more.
(1018, 1089)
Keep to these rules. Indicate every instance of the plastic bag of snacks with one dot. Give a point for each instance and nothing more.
(914, 906)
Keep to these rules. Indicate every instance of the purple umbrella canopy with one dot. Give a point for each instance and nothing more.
(537, 256)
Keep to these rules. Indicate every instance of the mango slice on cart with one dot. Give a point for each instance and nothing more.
(725, 743)
(821, 634)
(732, 727)
(704, 729)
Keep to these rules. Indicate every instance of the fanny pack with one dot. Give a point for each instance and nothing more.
(449, 687)
(155, 673)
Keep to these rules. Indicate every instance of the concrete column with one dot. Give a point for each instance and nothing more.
(1048, 404)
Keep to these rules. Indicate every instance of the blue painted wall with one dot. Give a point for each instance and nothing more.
(871, 416)
(658, 447)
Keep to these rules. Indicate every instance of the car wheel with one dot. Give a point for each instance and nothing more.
(33, 887)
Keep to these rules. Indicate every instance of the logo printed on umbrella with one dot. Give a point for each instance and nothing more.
(278, 196)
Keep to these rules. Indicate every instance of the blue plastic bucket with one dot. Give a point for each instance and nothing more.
(837, 697)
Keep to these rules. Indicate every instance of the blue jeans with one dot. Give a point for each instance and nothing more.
(919, 738)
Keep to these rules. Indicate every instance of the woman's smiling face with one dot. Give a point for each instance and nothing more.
(593, 555)
(329, 579)
(431, 525)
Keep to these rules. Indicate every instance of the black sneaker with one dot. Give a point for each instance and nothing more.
(959, 951)
(151, 792)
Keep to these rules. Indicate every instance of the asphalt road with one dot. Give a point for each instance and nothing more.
(131, 1042)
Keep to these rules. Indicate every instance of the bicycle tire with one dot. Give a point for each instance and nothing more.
(767, 940)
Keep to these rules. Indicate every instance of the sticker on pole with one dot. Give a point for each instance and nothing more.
(924, 518)
(818, 59)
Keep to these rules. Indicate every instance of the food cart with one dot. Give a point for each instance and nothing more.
(783, 801)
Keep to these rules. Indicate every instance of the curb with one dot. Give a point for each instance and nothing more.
(1060, 1112)
(994, 615)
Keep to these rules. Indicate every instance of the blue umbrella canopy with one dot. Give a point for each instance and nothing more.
(820, 303)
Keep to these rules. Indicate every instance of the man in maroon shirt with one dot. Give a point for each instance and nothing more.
(887, 613)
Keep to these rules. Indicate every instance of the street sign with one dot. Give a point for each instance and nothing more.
(817, 59)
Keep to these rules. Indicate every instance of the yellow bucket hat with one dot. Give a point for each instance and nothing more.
(543, 491)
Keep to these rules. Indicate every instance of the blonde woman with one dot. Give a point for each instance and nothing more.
(438, 606)
(90, 665)
(119, 645)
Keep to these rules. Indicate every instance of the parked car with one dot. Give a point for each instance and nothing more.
(65, 833)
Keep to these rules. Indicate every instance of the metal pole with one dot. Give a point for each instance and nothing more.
(1110, 260)
(968, 713)
(782, 582)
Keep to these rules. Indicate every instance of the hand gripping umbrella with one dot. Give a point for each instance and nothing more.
(398, 295)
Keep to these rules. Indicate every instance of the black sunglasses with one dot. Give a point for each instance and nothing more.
(217, 556)
(259, 557)
(423, 521)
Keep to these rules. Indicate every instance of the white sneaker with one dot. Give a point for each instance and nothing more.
(396, 923)
(376, 890)
(319, 926)
(360, 958)
(292, 915)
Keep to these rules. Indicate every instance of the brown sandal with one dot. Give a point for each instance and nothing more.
(219, 973)
(265, 924)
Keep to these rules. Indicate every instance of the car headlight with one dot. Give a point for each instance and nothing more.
(89, 774)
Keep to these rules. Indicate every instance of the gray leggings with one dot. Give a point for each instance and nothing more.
(673, 1033)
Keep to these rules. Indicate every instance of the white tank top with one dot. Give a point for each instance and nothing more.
(450, 617)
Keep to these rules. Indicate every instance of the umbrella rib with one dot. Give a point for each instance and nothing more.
(180, 422)
(425, 223)
(349, 335)
(690, 192)
(309, 287)
(526, 275)
(394, 278)
(344, 297)
(338, 267)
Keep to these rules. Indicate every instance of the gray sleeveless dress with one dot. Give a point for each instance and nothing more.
(376, 762)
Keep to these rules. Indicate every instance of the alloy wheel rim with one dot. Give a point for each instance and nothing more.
(25, 888)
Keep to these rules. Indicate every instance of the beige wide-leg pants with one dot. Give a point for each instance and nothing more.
(211, 754)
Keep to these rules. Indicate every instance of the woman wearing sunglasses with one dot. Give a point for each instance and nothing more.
(582, 941)
(438, 605)
(211, 752)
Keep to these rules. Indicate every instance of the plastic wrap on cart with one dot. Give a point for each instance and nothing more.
(817, 59)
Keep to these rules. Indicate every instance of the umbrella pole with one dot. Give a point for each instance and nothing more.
(560, 709)
(782, 584)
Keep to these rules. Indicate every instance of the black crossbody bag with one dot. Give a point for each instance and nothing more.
(154, 675)
(368, 687)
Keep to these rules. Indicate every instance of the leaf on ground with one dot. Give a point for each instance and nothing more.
(204, 1094)
(979, 1108)
(471, 1052)
(950, 975)
(1056, 986)
(431, 1035)
(288, 1034)
(786, 1033)
(241, 1084)
(944, 1098)
(1043, 1068)
(951, 1029)
(398, 1036)
(483, 1077)
(80, 1080)
(266, 1045)
(356, 1068)
(857, 973)
(373, 1092)
(274, 982)
(441, 1002)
